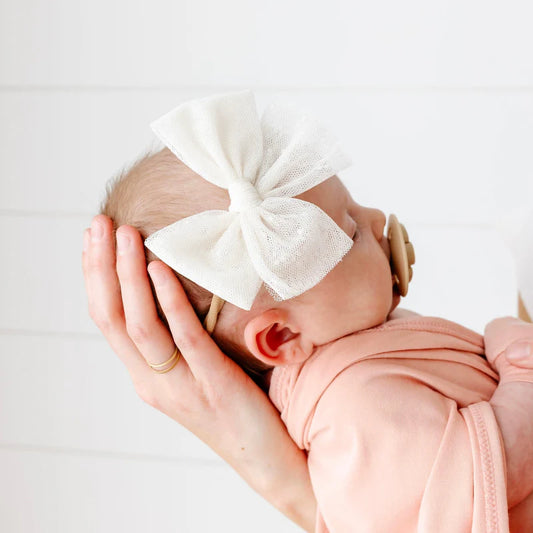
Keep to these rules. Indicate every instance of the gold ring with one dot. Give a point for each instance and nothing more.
(157, 367)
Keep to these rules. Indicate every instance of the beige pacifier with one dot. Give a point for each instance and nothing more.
(402, 254)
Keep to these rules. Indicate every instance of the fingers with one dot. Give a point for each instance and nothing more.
(104, 295)
(143, 325)
(100, 276)
(198, 348)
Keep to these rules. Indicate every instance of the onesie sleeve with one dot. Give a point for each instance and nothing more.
(389, 453)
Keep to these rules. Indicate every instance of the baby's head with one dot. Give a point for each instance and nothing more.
(357, 294)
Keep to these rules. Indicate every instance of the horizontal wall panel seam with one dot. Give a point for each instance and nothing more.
(348, 88)
(128, 456)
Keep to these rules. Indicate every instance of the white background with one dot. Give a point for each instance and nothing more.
(433, 101)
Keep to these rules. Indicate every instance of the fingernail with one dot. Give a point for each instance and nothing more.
(518, 351)
(97, 231)
(123, 242)
(86, 238)
(157, 276)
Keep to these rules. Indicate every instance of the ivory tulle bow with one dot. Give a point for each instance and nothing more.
(266, 236)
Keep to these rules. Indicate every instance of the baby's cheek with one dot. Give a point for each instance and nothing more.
(326, 321)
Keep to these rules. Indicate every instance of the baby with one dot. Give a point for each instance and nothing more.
(392, 408)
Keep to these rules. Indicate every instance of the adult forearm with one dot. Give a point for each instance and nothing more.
(276, 469)
(289, 489)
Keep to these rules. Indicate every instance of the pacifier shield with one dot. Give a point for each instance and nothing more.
(402, 254)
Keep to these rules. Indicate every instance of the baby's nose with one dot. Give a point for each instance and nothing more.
(378, 222)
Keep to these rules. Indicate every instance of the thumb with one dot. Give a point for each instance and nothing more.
(521, 354)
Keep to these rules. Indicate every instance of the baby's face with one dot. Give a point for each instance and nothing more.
(358, 293)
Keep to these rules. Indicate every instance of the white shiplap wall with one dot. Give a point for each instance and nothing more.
(433, 100)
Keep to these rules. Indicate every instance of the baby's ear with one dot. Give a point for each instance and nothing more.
(273, 340)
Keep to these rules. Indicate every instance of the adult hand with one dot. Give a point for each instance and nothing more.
(206, 392)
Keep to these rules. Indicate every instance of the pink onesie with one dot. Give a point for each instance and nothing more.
(399, 432)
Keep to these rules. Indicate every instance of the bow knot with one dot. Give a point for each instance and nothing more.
(243, 195)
